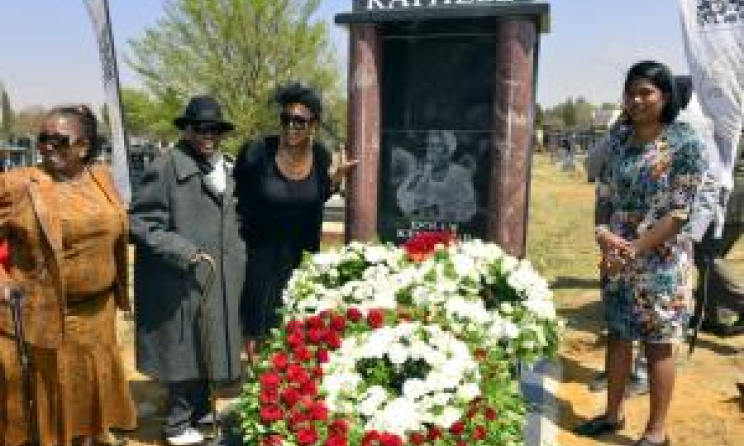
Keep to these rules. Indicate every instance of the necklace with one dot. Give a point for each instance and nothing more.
(294, 167)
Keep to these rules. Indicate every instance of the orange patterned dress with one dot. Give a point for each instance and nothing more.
(80, 387)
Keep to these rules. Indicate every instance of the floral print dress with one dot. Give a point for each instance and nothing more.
(650, 300)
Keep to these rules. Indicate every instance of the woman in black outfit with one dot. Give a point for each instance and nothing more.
(282, 183)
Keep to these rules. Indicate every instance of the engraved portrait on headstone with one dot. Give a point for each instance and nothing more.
(435, 187)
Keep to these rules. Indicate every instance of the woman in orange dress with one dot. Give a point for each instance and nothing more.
(67, 229)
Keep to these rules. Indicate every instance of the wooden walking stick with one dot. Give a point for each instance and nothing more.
(205, 329)
(15, 297)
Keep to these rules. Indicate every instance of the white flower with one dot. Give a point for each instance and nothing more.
(468, 392)
(397, 354)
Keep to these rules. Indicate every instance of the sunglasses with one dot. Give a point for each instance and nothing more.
(297, 122)
(207, 128)
(55, 140)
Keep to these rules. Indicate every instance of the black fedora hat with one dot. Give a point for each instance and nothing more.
(202, 109)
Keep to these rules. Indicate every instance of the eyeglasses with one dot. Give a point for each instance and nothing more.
(297, 122)
(207, 128)
(56, 140)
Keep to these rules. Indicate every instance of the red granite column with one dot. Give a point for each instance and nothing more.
(364, 132)
(512, 137)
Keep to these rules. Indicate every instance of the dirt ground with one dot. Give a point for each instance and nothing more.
(706, 408)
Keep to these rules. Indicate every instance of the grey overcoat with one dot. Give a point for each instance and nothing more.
(175, 214)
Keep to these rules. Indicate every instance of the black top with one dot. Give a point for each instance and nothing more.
(277, 210)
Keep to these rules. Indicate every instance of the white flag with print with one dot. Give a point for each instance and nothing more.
(714, 39)
(98, 10)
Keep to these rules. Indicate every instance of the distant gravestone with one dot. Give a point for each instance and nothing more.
(441, 117)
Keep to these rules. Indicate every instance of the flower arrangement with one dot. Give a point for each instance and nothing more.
(390, 346)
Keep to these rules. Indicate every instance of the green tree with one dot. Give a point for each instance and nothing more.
(28, 121)
(148, 116)
(568, 113)
(239, 51)
(584, 112)
(609, 106)
(6, 114)
(539, 116)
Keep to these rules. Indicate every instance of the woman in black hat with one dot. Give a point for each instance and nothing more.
(282, 182)
(183, 214)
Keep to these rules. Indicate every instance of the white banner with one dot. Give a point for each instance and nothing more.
(714, 40)
(98, 10)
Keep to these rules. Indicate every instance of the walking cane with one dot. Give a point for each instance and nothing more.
(15, 297)
(205, 325)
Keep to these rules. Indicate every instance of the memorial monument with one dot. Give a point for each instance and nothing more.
(441, 107)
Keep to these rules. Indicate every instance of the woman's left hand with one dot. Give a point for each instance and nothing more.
(342, 166)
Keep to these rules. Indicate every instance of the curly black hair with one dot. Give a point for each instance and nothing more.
(299, 93)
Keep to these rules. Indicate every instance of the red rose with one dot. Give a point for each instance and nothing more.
(339, 427)
(297, 374)
(319, 412)
(417, 438)
(433, 433)
(315, 322)
(371, 438)
(314, 336)
(269, 396)
(338, 323)
(333, 340)
(457, 428)
(336, 440)
(387, 439)
(461, 443)
(280, 360)
(479, 433)
(290, 396)
(298, 419)
(326, 314)
(309, 388)
(376, 318)
(295, 339)
(307, 436)
(295, 326)
(423, 244)
(270, 380)
(354, 314)
(272, 440)
(318, 372)
(490, 413)
(271, 413)
(302, 353)
(322, 356)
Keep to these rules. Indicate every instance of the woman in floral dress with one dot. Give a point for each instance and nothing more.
(646, 188)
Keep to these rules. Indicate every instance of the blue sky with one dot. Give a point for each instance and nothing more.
(48, 54)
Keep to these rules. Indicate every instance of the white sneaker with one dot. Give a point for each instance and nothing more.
(188, 437)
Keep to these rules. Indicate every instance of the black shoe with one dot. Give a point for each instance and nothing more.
(720, 329)
(598, 426)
